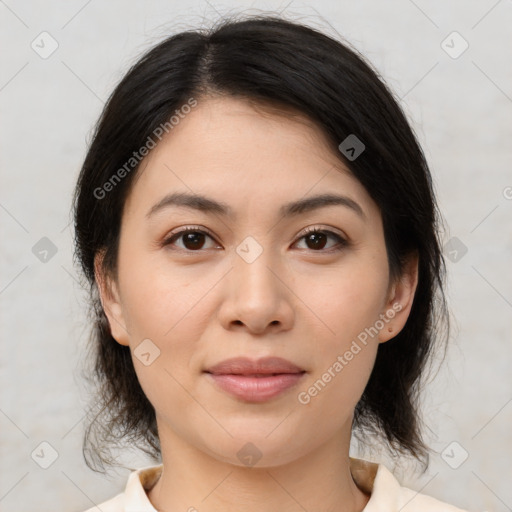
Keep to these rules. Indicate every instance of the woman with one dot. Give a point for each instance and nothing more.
(257, 223)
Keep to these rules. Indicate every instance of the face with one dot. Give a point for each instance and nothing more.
(250, 279)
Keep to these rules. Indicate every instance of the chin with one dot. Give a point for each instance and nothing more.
(255, 447)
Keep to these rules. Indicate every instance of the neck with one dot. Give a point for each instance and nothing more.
(195, 481)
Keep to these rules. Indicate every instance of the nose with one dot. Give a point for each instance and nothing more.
(258, 296)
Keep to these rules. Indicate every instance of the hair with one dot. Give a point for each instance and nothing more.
(268, 61)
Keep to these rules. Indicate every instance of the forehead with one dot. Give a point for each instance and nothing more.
(243, 154)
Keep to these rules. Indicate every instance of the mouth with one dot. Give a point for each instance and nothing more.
(256, 375)
(251, 367)
(255, 380)
(256, 388)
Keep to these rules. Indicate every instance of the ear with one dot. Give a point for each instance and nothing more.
(109, 296)
(400, 299)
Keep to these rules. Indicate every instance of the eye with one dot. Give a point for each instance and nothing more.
(193, 239)
(316, 240)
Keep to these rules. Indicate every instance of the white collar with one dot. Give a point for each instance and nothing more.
(386, 493)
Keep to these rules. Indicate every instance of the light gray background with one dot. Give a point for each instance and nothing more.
(461, 109)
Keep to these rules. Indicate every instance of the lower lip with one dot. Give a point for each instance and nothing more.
(256, 389)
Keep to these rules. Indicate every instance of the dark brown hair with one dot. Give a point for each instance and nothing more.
(267, 60)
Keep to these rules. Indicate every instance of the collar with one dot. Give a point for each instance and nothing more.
(373, 479)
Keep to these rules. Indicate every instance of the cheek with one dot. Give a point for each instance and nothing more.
(347, 299)
(334, 388)
(348, 302)
(161, 314)
(158, 298)
(165, 311)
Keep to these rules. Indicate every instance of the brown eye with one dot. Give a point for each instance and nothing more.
(316, 240)
(192, 239)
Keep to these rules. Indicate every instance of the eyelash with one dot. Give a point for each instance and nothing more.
(342, 242)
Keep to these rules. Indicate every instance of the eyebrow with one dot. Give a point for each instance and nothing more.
(294, 208)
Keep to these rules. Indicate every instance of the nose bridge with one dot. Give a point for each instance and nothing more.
(252, 270)
(257, 295)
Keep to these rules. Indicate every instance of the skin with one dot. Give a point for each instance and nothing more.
(201, 304)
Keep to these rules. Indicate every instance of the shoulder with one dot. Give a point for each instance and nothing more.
(412, 501)
(388, 495)
(134, 497)
(115, 504)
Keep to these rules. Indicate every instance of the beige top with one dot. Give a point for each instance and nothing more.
(387, 495)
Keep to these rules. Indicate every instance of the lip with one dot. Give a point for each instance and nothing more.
(255, 380)
(247, 366)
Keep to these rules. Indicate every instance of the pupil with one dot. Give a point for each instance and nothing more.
(191, 238)
(316, 242)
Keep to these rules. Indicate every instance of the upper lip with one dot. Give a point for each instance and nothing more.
(247, 366)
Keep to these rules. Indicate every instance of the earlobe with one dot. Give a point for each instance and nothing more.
(109, 297)
(400, 300)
